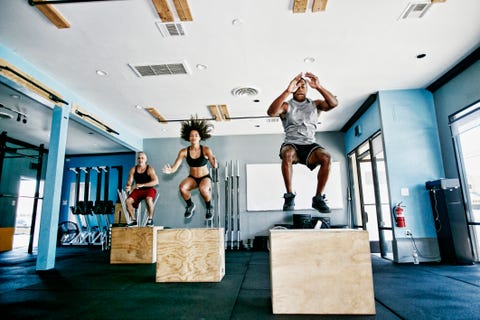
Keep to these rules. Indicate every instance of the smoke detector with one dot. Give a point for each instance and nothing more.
(244, 91)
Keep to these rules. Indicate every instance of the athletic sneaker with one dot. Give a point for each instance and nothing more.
(132, 224)
(320, 203)
(149, 223)
(209, 215)
(189, 210)
(289, 204)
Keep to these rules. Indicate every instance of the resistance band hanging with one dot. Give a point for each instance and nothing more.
(109, 207)
(78, 207)
(88, 203)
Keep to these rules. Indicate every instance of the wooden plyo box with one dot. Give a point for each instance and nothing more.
(119, 216)
(133, 245)
(321, 271)
(190, 255)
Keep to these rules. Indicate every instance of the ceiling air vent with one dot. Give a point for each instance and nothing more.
(171, 29)
(160, 69)
(244, 91)
(415, 10)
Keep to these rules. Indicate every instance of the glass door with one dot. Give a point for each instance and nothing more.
(24, 213)
(371, 204)
(465, 128)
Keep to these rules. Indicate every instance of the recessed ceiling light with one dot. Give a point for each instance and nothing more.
(309, 60)
(4, 115)
(15, 96)
(101, 73)
(137, 106)
(201, 66)
(421, 56)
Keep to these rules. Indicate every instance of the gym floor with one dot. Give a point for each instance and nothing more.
(84, 285)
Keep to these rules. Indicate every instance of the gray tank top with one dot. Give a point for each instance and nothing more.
(300, 122)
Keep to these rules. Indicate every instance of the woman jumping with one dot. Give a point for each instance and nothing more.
(197, 157)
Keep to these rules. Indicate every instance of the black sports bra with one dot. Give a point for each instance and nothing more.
(198, 162)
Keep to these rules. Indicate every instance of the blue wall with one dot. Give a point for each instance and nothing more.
(412, 152)
(369, 123)
(126, 161)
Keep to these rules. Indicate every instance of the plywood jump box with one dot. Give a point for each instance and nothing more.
(134, 245)
(325, 271)
(190, 255)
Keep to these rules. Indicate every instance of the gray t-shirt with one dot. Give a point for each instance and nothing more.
(300, 122)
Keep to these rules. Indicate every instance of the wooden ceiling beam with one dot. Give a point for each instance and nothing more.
(90, 118)
(183, 10)
(224, 111)
(163, 10)
(26, 81)
(300, 6)
(52, 14)
(319, 5)
(154, 112)
(215, 112)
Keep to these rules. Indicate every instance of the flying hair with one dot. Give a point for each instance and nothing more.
(201, 126)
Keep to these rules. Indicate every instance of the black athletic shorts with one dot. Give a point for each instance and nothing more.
(303, 152)
(199, 179)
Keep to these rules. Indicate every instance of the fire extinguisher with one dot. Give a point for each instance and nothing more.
(399, 217)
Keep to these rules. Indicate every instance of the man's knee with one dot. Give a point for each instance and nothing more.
(149, 202)
(320, 157)
(289, 154)
(325, 158)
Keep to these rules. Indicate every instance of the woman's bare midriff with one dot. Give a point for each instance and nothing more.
(199, 172)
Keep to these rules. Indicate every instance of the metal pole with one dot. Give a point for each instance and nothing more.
(217, 193)
(232, 209)
(35, 200)
(3, 148)
(226, 205)
(238, 205)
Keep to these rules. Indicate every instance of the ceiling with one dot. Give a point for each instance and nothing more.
(31, 121)
(357, 48)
